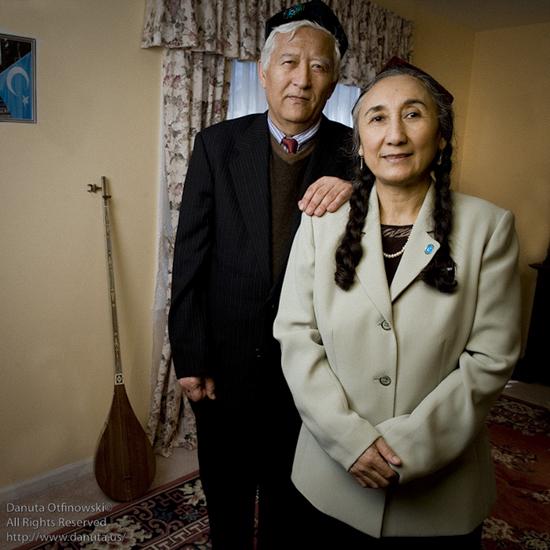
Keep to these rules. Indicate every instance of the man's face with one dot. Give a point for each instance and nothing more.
(299, 79)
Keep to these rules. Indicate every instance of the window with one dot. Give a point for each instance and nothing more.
(247, 96)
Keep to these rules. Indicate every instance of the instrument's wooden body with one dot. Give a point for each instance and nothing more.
(124, 461)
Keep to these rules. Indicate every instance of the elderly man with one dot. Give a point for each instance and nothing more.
(247, 181)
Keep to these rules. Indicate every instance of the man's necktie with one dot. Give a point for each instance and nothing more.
(291, 144)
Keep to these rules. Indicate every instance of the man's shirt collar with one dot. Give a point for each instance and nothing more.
(302, 138)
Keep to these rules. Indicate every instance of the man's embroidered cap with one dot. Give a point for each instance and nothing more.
(315, 11)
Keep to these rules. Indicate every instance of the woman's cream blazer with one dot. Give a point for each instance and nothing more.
(419, 367)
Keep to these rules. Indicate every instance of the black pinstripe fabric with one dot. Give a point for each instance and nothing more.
(223, 294)
(224, 302)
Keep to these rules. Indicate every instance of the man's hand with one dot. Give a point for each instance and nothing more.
(371, 470)
(327, 194)
(197, 388)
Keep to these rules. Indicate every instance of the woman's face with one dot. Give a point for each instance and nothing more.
(399, 131)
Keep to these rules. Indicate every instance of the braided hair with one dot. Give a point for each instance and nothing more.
(440, 272)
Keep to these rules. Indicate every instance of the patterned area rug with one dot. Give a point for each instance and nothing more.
(520, 444)
(174, 517)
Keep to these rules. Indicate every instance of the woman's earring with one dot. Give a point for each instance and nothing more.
(362, 164)
(440, 158)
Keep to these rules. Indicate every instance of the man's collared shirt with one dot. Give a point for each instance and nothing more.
(302, 138)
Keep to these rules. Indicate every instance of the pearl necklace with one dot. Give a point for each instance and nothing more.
(397, 254)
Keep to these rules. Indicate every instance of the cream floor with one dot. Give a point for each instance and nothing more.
(84, 490)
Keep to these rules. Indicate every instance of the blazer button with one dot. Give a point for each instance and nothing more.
(385, 325)
(385, 380)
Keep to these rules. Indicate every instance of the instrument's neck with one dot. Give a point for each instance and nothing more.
(106, 216)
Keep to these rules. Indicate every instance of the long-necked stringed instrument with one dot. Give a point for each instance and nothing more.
(124, 461)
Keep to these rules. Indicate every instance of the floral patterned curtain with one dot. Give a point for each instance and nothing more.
(200, 39)
(195, 89)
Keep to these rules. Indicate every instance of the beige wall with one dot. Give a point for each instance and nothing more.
(506, 153)
(98, 115)
(445, 50)
(500, 80)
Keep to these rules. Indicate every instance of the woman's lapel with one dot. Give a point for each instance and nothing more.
(371, 272)
(421, 248)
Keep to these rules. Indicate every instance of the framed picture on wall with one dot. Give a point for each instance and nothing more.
(17, 79)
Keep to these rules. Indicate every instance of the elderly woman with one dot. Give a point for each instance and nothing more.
(399, 327)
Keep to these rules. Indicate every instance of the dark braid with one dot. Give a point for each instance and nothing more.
(440, 272)
(350, 251)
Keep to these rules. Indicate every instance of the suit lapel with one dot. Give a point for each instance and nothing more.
(324, 157)
(371, 271)
(250, 171)
(421, 248)
(322, 163)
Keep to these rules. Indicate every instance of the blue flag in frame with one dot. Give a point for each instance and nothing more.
(17, 86)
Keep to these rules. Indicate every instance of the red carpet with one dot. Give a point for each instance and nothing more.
(520, 441)
(174, 517)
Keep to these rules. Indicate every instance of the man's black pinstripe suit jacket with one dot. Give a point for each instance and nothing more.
(224, 296)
